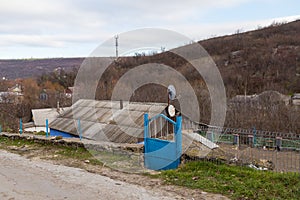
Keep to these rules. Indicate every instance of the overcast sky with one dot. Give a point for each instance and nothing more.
(71, 28)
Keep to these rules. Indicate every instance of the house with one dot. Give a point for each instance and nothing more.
(260, 100)
(244, 99)
(12, 95)
(17, 89)
(295, 99)
(43, 95)
(6, 97)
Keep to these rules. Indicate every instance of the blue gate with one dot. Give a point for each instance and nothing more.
(161, 153)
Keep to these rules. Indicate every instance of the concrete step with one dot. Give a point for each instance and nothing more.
(198, 138)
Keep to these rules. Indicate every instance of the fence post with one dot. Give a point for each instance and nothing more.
(210, 136)
(146, 122)
(278, 143)
(79, 128)
(146, 129)
(236, 139)
(47, 126)
(254, 136)
(178, 136)
(250, 140)
(21, 126)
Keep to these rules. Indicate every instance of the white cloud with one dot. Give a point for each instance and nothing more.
(78, 14)
(67, 23)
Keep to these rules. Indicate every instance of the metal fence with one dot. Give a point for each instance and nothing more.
(262, 150)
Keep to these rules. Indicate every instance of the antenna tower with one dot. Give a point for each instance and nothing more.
(117, 45)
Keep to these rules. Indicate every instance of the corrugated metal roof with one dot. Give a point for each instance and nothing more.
(105, 121)
(40, 116)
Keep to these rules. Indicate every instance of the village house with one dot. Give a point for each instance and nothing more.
(12, 95)
(295, 100)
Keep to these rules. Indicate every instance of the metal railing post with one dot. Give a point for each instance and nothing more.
(178, 136)
(79, 129)
(21, 126)
(47, 127)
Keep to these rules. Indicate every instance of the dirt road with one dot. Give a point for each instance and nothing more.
(21, 178)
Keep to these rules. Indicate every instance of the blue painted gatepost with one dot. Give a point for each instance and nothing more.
(160, 154)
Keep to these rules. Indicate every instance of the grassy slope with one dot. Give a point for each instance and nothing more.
(235, 182)
(47, 151)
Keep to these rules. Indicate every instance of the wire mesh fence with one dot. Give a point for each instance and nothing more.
(262, 150)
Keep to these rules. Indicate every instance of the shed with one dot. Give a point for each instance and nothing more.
(105, 120)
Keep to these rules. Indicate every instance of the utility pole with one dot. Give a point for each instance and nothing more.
(117, 44)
